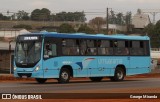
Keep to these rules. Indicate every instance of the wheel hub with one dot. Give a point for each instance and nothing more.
(64, 75)
(120, 74)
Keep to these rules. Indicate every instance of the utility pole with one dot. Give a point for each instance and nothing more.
(107, 23)
(154, 17)
(152, 12)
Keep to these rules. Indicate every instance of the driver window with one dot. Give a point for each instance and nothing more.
(50, 50)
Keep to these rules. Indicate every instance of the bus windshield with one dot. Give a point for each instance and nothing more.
(28, 53)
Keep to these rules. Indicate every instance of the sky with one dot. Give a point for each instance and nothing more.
(56, 6)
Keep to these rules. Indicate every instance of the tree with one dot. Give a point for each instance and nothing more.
(41, 15)
(61, 16)
(35, 14)
(22, 15)
(85, 29)
(70, 16)
(2, 17)
(112, 18)
(139, 11)
(120, 19)
(156, 35)
(128, 18)
(157, 27)
(45, 14)
(97, 22)
(66, 28)
(152, 31)
(13, 17)
(79, 16)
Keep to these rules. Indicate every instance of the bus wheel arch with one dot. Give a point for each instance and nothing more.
(65, 73)
(119, 73)
(122, 67)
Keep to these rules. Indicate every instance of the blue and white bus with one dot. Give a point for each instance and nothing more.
(62, 56)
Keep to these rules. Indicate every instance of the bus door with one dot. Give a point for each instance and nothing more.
(50, 63)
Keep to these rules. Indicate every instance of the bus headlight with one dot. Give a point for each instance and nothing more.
(37, 68)
(15, 68)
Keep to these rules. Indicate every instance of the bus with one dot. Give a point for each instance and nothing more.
(51, 55)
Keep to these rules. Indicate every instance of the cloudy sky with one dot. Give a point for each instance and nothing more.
(79, 5)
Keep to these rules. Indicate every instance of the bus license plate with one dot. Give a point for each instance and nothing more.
(24, 76)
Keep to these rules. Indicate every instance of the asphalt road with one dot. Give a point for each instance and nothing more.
(82, 86)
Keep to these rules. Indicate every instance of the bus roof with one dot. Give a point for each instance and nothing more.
(90, 36)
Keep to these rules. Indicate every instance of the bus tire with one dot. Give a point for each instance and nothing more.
(41, 80)
(96, 79)
(118, 75)
(64, 76)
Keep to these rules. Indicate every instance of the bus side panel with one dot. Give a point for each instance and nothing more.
(76, 63)
(80, 66)
(51, 68)
(110, 63)
(139, 65)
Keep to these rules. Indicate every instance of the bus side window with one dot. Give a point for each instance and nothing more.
(70, 47)
(137, 48)
(83, 47)
(47, 50)
(63, 42)
(77, 47)
(115, 44)
(106, 47)
(121, 48)
(54, 51)
(91, 47)
(50, 50)
(126, 48)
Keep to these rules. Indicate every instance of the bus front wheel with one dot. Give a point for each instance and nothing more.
(96, 79)
(118, 75)
(64, 76)
(41, 80)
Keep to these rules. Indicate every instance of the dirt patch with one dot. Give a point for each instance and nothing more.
(149, 75)
(10, 77)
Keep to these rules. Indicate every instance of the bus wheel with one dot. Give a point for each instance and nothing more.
(41, 80)
(64, 76)
(118, 75)
(96, 79)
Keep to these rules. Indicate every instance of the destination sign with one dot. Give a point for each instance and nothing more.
(26, 38)
(31, 38)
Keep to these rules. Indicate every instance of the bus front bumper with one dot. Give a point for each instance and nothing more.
(38, 74)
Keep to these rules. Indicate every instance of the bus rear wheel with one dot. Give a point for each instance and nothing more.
(118, 75)
(64, 76)
(41, 80)
(96, 79)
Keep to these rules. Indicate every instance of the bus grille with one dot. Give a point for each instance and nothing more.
(24, 74)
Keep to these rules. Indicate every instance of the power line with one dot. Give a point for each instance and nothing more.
(153, 12)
